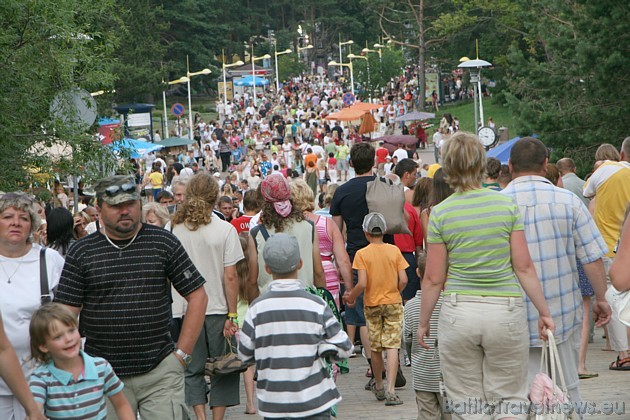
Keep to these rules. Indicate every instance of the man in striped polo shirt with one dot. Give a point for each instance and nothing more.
(559, 231)
(119, 281)
(288, 332)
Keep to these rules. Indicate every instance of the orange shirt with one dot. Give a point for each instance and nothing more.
(311, 157)
(382, 262)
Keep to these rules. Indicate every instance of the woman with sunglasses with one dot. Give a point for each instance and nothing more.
(21, 284)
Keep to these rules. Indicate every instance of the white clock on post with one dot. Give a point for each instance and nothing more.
(487, 136)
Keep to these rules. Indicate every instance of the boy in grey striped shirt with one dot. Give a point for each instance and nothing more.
(425, 364)
(288, 332)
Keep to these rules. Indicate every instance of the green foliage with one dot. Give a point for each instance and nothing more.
(568, 85)
(138, 63)
(382, 70)
(289, 66)
(47, 49)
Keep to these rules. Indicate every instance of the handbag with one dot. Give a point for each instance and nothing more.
(620, 304)
(382, 196)
(45, 296)
(547, 397)
(226, 364)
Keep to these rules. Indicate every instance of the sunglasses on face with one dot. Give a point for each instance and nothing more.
(116, 189)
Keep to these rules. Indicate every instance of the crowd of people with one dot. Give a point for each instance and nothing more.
(260, 241)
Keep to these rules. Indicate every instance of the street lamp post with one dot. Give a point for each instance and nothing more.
(349, 42)
(352, 57)
(379, 50)
(308, 47)
(182, 79)
(253, 59)
(475, 66)
(349, 65)
(225, 66)
(276, 54)
(189, 75)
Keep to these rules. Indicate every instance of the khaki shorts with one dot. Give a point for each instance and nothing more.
(384, 323)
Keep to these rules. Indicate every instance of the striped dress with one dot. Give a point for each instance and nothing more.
(326, 251)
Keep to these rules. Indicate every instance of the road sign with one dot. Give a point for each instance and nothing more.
(348, 99)
(178, 109)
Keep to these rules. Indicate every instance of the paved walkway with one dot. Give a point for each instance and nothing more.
(610, 386)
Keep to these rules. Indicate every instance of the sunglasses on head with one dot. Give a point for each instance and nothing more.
(116, 189)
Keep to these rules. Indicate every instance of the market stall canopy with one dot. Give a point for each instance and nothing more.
(137, 148)
(397, 139)
(366, 106)
(346, 114)
(175, 142)
(249, 81)
(415, 116)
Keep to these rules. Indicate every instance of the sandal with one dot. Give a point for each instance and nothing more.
(392, 399)
(378, 393)
(620, 364)
(588, 375)
(368, 386)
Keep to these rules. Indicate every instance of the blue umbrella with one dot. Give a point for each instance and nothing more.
(249, 81)
(137, 148)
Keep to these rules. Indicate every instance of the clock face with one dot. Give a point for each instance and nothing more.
(487, 136)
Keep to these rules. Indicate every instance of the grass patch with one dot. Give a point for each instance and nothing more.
(466, 113)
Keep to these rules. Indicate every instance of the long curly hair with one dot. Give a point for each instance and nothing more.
(270, 217)
(202, 191)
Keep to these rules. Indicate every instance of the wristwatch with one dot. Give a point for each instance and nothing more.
(187, 358)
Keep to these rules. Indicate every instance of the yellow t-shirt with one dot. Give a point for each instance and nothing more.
(610, 185)
(433, 169)
(156, 179)
(382, 262)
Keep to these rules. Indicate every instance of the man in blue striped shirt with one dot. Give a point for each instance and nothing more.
(288, 332)
(559, 230)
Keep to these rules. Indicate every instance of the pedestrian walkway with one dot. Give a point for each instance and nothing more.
(610, 386)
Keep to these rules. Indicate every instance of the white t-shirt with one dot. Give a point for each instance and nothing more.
(211, 248)
(400, 154)
(22, 297)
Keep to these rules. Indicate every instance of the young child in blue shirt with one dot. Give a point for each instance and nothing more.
(69, 383)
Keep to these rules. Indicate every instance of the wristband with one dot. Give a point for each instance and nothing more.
(232, 315)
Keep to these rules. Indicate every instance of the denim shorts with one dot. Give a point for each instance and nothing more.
(355, 316)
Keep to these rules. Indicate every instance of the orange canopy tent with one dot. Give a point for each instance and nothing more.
(346, 114)
(366, 106)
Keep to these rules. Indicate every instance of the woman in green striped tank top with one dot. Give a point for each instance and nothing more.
(478, 253)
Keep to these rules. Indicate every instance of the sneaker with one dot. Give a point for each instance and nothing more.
(368, 386)
(392, 399)
(407, 361)
(378, 393)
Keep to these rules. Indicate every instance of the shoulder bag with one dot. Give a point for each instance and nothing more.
(382, 196)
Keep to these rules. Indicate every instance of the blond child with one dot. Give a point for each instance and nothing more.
(69, 383)
(425, 363)
(242, 271)
(381, 270)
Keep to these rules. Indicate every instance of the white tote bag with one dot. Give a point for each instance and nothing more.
(547, 391)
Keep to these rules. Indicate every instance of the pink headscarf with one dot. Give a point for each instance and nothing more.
(275, 189)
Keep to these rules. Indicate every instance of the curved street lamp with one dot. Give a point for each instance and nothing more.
(182, 79)
(349, 65)
(349, 42)
(225, 66)
(189, 75)
(353, 57)
(308, 47)
(253, 59)
(276, 54)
